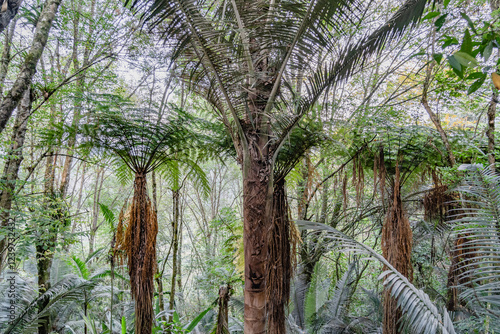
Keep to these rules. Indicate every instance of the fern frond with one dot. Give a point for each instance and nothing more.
(420, 313)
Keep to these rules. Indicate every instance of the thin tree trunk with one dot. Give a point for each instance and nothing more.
(80, 86)
(5, 61)
(175, 247)
(8, 11)
(159, 274)
(28, 68)
(179, 260)
(435, 118)
(490, 133)
(46, 243)
(80, 196)
(12, 165)
(95, 213)
(223, 314)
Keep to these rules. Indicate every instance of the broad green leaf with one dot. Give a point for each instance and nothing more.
(476, 84)
(445, 3)
(438, 57)
(487, 51)
(175, 317)
(475, 75)
(465, 59)
(124, 325)
(466, 43)
(450, 41)
(455, 65)
(431, 15)
(196, 320)
(440, 21)
(469, 22)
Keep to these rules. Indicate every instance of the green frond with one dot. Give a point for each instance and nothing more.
(81, 267)
(420, 314)
(108, 215)
(67, 290)
(477, 224)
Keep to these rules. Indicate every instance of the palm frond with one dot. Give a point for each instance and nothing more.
(477, 224)
(420, 313)
(67, 290)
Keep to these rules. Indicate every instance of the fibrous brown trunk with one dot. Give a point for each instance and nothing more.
(28, 68)
(257, 175)
(461, 261)
(396, 248)
(11, 168)
(278, 266)
(140, 244)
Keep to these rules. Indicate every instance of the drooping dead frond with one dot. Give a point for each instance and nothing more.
(119, 250)
(140, 245)
(396, 248)
(438, 202)
(279, 265)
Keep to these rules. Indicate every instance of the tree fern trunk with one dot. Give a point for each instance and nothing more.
(140, 241)
(256, 177)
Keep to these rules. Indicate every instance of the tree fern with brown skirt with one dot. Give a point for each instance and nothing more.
(142, 141)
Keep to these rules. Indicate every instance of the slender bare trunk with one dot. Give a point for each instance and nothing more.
(12, 165)
(80, 86)
(95, 215)
(175, 247)
(8, 11)
(490, 133)
(28, 68)
(5, 61)
(223, 314)
(435, 118)
(159, 274)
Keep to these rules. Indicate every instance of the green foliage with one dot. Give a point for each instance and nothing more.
(479, 223)
(420, 314)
